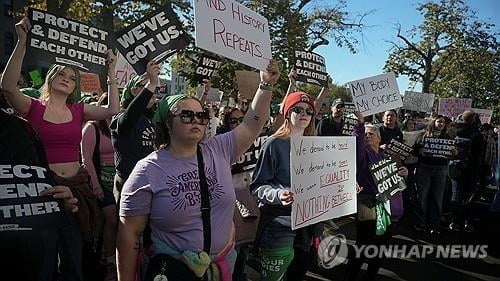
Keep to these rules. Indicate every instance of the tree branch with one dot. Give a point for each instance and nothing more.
(410, 44)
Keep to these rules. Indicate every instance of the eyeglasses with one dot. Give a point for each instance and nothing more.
(234, 120)
(189, 116)
(297, 109)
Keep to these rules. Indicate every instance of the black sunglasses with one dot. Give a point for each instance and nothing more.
(234, 120)
(297, 109)
(189, 116)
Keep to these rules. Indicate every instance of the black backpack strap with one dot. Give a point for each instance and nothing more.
(205, 203)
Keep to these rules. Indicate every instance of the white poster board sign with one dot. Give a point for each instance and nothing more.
(421, 102)
(452, 107)
(375, 94)
(484, 114)
(232, 30)
(124, 71)
(323, 178)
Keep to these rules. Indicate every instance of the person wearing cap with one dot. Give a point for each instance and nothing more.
(271, 184)
(58, 118)
(132, 131)
(166, 186)
(333, 124)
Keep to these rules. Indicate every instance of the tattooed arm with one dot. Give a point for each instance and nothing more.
(128, 244)
(258, 112)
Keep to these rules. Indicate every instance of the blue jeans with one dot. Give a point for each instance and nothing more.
(70, 253)
(431, 183)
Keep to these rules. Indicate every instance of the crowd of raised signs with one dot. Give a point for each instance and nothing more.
(128, 187)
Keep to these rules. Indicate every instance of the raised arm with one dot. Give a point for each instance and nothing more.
(18, 100)
(322, 95)
(92, 112)
(128, 244)
(258, 112)
(292, 75)
(359, 133)
(206, 85)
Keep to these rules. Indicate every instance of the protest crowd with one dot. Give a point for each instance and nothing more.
(128, 186)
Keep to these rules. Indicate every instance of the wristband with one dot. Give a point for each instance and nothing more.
(265, 86)
(112, 81)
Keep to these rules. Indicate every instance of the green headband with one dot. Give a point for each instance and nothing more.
(165, 106)
(127, 92)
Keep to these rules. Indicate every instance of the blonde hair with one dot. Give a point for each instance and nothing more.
(286, 129)
(373, 128)
(74, 97)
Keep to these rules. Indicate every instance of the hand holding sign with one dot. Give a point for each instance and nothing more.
(64, 193)
(286, 197)
(111, 62)
(292, 76)
(22, 28)
(152, 72)
(272, 73)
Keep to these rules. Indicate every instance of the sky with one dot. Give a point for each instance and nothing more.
(344, 66)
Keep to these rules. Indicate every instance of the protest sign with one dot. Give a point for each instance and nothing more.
(349, 108)
(53, 39)
(396, 147)
(410, 138)
(349, 123)
(385, 175)
(375, 94)
(247, 161)
(229, 29)
(21, 206)
(156, 37)
(248, 83)
(311, 68)
(452, 107)
(418, 101)
(323, 178)
(124, 71)
(484, 114)
(214, 94)
(36, 77)
(90, 83)
(207, 67)
(436, 147)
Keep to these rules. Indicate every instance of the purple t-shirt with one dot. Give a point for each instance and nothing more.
(167, 188)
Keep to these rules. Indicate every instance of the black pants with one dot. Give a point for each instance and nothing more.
(174, 270)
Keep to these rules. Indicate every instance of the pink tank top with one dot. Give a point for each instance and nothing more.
(61, 141)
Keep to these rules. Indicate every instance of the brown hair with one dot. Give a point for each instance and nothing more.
(429, 131)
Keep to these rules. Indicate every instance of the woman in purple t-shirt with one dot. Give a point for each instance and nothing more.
(164, 188)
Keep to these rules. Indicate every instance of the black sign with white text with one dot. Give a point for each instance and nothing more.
(21, 206)
(207, 67)
(248, 160)
(349, 123)
(396, 147)
(385, 175)
(311, 68)
(53, 39)
(439, 148)
(156, 37)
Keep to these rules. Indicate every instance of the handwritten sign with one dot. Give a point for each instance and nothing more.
(207, 67)
(385, 175)
(311, 68)
(156, 37)
(396, 147)
(54, 39)
(89, 82)
(323, 171)
(376, 94)
(453, 107)
(21, 206)
(124, 71)
(418, 101)
(439, 148)
(248, 82)
(484, 114)
(229, 29)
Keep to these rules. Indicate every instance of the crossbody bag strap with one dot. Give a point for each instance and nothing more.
(205, 203)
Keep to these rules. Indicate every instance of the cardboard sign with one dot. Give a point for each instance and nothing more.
(396, 147)
(438, 148)
(349, 123)
(214, 94)
(124, 71)
(375, 94)
(54, 39)
(453, 107)
(410, 138)
(484, 114)
(207, 67)
(156, 37)
(323, 178)
(385, 175)
(247, 161)
(90, 82)
(229, 29)
(311, 68)
(248, 83)
(418, 101)
(21, 206)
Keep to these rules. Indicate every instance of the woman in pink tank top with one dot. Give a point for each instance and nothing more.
(58, 119)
